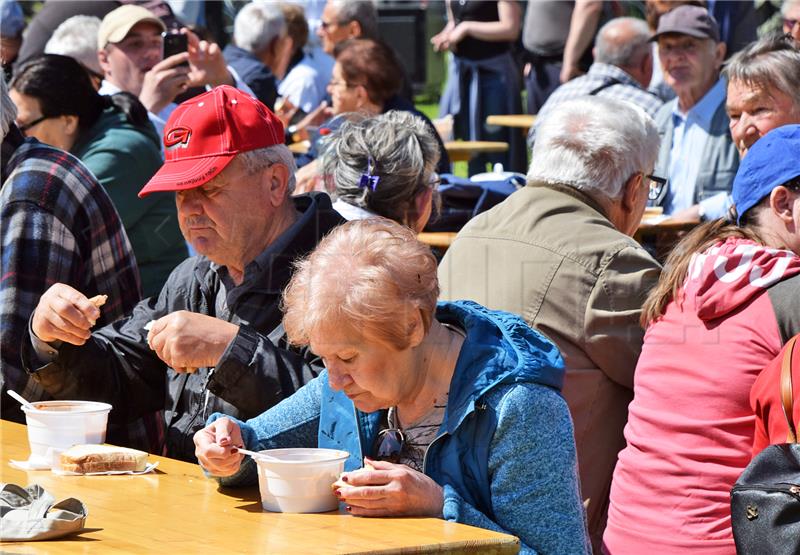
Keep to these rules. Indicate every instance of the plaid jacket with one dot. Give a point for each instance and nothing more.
(58, 225)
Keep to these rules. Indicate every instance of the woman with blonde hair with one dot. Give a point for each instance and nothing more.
(725, 304)
(456, 407)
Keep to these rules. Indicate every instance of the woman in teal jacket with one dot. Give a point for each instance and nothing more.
(456, 407)
(112, 136)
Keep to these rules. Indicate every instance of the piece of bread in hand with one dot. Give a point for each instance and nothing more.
(99, 300)
(85, 459)
(339, 483)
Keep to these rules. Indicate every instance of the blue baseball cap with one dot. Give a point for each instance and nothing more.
(12, 21)
(773, 160)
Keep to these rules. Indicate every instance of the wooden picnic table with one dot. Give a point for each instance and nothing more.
(660, 236)
(521, 121)
(438, 239)
(463, 151)
(177, 509)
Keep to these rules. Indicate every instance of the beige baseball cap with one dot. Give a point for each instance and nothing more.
(118, 23)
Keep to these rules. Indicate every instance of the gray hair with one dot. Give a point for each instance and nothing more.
(594, 144)
(77, 38)
(257, 25)
(9, 109)
(771, 62)
(254, 161)
(623, 42)
(787, 5)
(404, 154)
(362, 11)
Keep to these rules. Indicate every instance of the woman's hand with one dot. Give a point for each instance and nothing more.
(389, 490)
(213, 447)
(459, 33)
(441, 40)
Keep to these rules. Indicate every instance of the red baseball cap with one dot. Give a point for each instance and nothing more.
(204, 133)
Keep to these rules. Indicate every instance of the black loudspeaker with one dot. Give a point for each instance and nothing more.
(402, 25)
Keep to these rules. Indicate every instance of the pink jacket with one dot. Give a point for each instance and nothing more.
(690, 426)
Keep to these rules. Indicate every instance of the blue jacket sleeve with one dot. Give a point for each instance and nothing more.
(534, 476)
(294, 422)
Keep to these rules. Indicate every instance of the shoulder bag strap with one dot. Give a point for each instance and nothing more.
(786, 389)
(610, 82)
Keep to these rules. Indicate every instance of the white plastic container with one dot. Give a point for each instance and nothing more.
(499, 174)
(298, 480)
(58, 425)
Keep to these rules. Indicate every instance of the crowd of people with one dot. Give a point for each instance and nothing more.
(548, 377)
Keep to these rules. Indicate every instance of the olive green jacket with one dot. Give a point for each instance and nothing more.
(550, 255)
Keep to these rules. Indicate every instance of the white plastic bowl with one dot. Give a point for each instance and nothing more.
(298, 480)
(58, 425)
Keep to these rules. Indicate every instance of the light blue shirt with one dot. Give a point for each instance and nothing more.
(692, 129)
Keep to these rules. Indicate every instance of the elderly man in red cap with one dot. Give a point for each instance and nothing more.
(212, 340)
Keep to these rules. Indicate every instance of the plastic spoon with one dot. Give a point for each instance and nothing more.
(22, 400)
(254, 454)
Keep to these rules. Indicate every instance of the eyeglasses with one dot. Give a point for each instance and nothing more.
(656, 186)
(390, 445)
(33, 123)
(434, 181)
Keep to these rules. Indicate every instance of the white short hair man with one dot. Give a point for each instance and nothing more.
(622, 69)
(77, 38)
(347, 19)
(763, 89)
(260, 50)
(559, 252)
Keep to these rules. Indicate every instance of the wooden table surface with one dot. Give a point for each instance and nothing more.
(439, 239)
(522, 121)
(178, 510)
(462, 151)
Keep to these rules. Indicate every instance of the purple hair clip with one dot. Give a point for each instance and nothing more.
(367, 179)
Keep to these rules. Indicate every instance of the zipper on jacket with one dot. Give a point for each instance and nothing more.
(358, 427)
(425, 456)
(791, 489)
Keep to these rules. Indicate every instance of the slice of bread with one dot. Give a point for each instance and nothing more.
(85, 459)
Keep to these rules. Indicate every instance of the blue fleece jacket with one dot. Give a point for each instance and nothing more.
(505, 453)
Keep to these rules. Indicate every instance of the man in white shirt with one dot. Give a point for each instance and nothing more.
(130, 51)
(697, 154)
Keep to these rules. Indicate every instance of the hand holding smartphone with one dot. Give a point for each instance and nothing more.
(175, 42)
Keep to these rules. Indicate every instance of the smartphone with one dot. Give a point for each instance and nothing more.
(175, 43)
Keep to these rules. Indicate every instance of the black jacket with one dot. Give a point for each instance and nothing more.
(256, 371)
